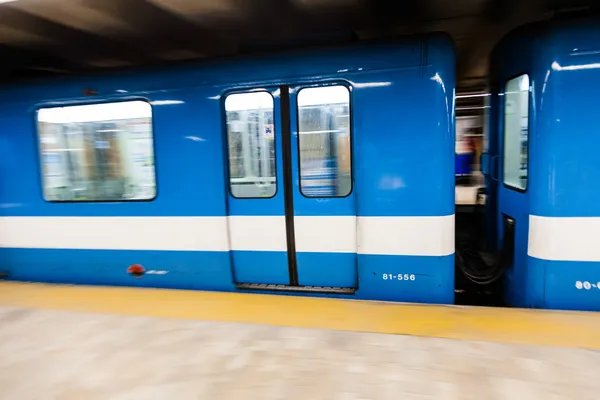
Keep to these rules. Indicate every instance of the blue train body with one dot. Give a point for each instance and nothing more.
(551, 74)
(224, 183)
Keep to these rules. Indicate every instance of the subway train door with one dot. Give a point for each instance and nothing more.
(255, 205)
(291, 217)
(513, 213)
(324, 206)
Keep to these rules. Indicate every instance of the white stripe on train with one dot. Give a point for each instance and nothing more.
(418, 236)
(564, 238)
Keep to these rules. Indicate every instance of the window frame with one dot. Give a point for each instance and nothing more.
(529, 93)
(226, 134)
(349, 88)
(38, 146)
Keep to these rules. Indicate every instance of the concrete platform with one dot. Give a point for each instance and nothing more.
(59, 342)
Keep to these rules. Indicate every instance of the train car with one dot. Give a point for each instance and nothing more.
(542, 169)
(324, 172)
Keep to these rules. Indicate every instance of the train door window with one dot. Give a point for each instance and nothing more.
(251, 145)
(324, 141)
(516, 132)
(97, 152)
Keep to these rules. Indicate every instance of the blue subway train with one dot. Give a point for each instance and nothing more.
(542, 168)
(324, 172)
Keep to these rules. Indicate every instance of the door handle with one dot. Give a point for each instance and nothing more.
(494, 168)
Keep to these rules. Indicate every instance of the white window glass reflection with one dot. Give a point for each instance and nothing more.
(516, 132)
(97, 152)
(251, 139)
(324, 141)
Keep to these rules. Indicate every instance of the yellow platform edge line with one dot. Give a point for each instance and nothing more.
(537, 327)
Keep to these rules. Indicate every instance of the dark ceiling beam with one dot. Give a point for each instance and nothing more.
(384, 18)
(14, 57)
(497, 11)
(271, 18)
(70, 43)
(333, 15)
(483, 35)
(163, 30)
(272, 25)
(498, 17)
(21, 63)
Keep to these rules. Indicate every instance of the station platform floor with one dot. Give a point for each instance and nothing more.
(76, 342)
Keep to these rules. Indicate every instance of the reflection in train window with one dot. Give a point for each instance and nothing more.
(516, 132)
(251, 142)
(324, 141)
(97, 152)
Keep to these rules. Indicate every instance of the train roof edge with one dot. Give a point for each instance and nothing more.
(359, 56)
(564, 29)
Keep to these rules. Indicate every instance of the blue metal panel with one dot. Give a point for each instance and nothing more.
(433, 276)
(566, 285)
(401, 143)
(433, 283)
(327, 269)
(568, 165)
(514, 204)
(260, 267)
(184, 269)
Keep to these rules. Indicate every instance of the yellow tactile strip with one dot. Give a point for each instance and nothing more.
(570, 329)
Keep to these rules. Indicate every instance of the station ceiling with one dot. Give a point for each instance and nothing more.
(41, 37)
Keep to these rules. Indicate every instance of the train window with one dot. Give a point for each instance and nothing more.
(324, 141)
(516, 132)
(251, 145)
(97, 152)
